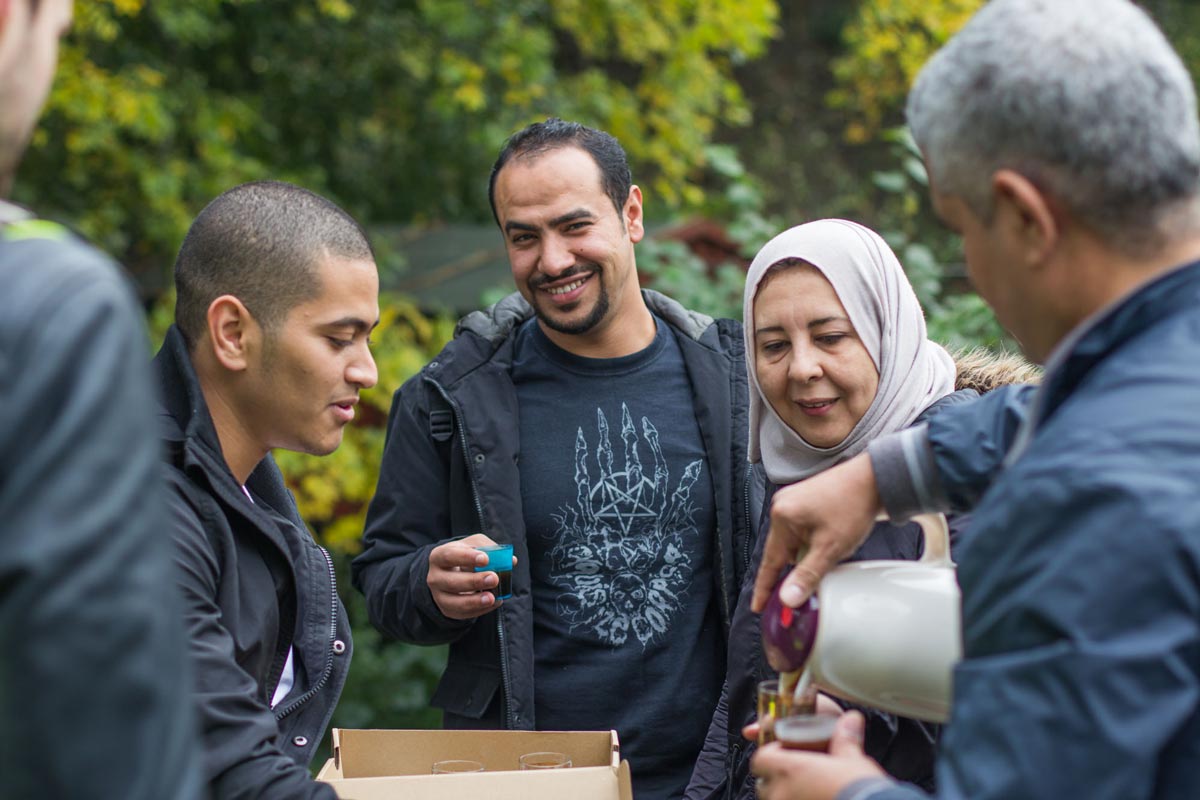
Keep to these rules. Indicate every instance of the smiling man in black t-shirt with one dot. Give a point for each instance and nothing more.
(601, 430)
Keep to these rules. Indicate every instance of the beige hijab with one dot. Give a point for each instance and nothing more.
(868, 279)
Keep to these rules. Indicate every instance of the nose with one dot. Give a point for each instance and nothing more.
(805, 365)
(361, 371)
(555, 257)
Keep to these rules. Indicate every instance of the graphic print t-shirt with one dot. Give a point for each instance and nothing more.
(618, 509)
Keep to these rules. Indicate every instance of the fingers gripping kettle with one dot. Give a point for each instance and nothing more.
(884, 634)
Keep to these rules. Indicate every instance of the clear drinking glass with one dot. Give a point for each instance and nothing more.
(545, 760)
(774, 705)
(806, 732)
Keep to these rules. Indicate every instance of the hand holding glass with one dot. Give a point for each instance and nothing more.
(500, 561)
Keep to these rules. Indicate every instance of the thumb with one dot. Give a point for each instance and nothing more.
(847, 737)
(804, 578)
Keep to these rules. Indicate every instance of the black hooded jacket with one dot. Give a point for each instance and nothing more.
(449, 469)
(255, 583)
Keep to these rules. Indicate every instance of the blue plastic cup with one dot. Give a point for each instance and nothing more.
(500, 557)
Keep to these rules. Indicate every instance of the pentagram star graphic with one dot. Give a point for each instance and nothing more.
(619, 552)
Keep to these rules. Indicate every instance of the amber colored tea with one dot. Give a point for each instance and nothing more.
(810, 732)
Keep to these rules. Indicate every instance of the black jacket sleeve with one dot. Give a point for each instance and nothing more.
(94, 678)
(407, 518)
(242, 757)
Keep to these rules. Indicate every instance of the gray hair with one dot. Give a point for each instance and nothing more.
(1086, 98)
(262, 243)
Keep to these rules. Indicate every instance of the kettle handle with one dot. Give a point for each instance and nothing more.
(937, 539)
(936, 531)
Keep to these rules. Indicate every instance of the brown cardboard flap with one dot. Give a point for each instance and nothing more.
(379, 753)
(336, 738)
(390, 765)
(584, 783)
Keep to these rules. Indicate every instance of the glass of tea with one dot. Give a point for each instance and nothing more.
(774, 704)
(544, 760)
(500, 561)
(810, 732)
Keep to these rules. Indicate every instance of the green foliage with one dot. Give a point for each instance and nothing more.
(886, 45)
(394, 109)
(931, 255)
(670, 267)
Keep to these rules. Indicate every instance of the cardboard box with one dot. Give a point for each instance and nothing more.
(395, 765)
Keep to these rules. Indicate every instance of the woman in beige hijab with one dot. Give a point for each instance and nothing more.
(837, 355)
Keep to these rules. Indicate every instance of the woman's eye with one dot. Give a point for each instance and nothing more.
(830, 339)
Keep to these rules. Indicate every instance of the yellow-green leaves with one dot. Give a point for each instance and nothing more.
(886, 45)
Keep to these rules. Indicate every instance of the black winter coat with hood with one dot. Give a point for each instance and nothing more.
(449, 470)
(254, 584)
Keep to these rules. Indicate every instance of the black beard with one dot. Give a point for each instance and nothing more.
(599, 311)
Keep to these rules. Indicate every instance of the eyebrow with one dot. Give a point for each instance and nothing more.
(570, 216)
(816, 323)
(358, 324)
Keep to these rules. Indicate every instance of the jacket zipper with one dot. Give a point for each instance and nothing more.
(505, 678)
(726, 576)
(749, 515)
(333, 616)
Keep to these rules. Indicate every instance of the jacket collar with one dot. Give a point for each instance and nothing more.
(11, 212)
(497, 322)
(185, 414)
(1110, 328)
(491, 331)
(1098, 337)
(191, 437)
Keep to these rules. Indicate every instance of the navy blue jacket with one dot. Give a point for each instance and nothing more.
(1080, 574)
(904, 747)
(434, 489)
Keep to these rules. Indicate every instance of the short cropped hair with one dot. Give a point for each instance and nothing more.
(542, 137)
(262, 243)
(1086, 98)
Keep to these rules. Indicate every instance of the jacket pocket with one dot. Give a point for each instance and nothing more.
(466, 689)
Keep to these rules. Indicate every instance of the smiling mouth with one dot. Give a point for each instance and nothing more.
(816, 407)
(570, 287)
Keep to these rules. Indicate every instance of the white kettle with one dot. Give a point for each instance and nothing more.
(887, 633)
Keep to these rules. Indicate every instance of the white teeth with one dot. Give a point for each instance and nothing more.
(570, 287)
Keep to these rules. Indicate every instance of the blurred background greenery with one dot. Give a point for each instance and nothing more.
(741, 118)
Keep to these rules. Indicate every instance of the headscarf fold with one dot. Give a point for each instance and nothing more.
(881, 304)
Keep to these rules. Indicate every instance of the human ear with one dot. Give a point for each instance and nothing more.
(632, 215)
(1028, 216)
(232, 332)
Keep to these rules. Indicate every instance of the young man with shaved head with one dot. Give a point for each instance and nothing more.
(277, 296)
